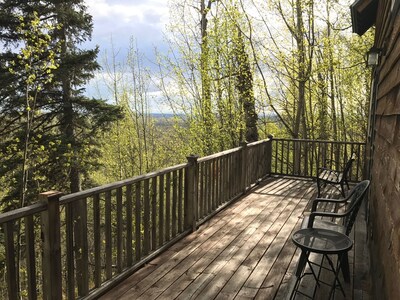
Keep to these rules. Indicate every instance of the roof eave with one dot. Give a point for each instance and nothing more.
(363, 15)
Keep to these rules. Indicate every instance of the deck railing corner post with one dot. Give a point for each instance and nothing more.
(268, 155)
(244, 165)
(191, 184)
(52, 275)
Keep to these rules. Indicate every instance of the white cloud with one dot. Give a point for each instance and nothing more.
(120, 11)
(119, 21)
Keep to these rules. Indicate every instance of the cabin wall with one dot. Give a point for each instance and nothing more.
(385, 173)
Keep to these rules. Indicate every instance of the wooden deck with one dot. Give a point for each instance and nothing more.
(244, 252)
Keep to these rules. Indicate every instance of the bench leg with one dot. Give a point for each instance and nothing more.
(342, 188)
(319, 187)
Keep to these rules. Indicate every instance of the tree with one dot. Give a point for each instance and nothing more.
(68, 122)
(134, 142)
(209, 76)
(25, 75)
(244, 86)
(81, 118)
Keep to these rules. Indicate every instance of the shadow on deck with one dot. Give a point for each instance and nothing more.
(244, 252)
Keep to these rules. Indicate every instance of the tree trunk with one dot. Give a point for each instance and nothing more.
(206, 112)
(245, 89)
(301, 81)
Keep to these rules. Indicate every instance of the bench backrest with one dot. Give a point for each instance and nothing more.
(356, 197)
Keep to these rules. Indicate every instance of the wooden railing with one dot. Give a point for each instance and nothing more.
(303, 157)
(82, 244)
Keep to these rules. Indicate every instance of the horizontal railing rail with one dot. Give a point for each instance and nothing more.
(303, 158)
(82, 244)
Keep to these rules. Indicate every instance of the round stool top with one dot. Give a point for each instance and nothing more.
(323, 241)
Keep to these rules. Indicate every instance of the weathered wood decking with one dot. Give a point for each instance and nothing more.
(244, 252)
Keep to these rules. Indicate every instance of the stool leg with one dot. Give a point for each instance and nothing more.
(302, 263)
(345, 267)
(336, 273)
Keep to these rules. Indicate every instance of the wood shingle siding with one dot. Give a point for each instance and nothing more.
(385, 174)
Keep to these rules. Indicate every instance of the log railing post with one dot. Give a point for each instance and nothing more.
(79, 209)
(191, 185)
(52, 276)
(244, 165)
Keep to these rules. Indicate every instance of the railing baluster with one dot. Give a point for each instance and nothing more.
(356, 163)
(119, 230)
(168, 206)
(276, 156)
(242, 175)
(146, 217)
(226, 179)
(138, 222)
(219, 180)
(180, 200)
(295, 155)
(191, 186)
(208, 188)
(174, 202)
(283, 156)
(361, 168)
(312, 159)
(69, 216)
(205, 188)
(201, 206)
(129, 219)
(97, 240)
(230, 175)
(154, 213)
(161, 212)
(108, 235)
(12, 283)
(237, 167)
(214, 184)
(30, 256)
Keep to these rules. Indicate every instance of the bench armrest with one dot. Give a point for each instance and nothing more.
(323, 214)
(326, 200)
(328, 172)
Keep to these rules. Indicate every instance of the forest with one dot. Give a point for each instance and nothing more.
(234, 71)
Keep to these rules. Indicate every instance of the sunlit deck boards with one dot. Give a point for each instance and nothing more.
(245, 252)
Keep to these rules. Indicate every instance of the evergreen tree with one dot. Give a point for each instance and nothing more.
(81, 118)
(48, 126)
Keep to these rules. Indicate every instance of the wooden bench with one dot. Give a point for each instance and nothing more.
(334, 177)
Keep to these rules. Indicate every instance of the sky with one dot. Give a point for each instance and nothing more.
(115, 22)
(120, 20)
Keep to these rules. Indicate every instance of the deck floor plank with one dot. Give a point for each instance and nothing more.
(244, 252)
